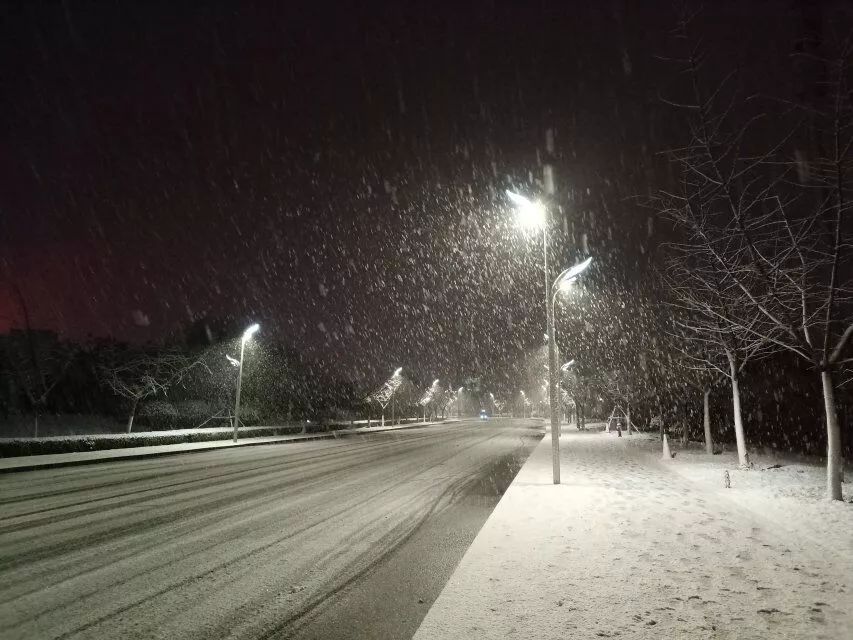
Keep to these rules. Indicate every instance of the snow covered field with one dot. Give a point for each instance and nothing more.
(633, 546)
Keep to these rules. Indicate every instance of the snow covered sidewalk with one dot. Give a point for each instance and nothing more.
(628, 547)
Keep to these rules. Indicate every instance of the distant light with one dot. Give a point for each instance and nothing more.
(566, 285)
(397, 372)
(248, 333)
(530, 214)
(566, 366)
(435, 381)
(233, 361)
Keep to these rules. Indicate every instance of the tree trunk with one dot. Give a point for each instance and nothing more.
(660, 416)
(833, 439)
(36, 424)
(741, 443)
(706, 422)
(628, 418)
(132, 415)
(685, 432)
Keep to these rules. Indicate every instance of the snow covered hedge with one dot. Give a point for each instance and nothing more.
(160, 415)
(66, 444)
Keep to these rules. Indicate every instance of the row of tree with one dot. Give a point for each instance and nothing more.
(41, 374)
(760, 260)
(398, 392)
(755, 274)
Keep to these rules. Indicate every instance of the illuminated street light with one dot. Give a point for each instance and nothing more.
(247, 335)
(534, 215)
(531, 215)
(384, 395)
(562, 283)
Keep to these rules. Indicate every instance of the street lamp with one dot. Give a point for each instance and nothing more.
(562, 283)
(396, 383)
(534, 214)
(459, 403)
(247, 334)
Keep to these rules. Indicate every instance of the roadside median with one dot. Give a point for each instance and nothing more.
(60, 451)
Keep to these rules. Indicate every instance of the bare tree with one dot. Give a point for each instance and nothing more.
(580, 385)
(777, 241)
(38, 359)
(621, 389)
(384, 394)
(689, 362)
(441, 400)
(710, 330)
(429, 397)
(143, 375)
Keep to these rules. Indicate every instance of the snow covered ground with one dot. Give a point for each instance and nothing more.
(633, 546)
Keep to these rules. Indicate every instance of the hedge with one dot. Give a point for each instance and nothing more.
(68, 444)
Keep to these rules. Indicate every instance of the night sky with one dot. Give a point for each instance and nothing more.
(335, 171)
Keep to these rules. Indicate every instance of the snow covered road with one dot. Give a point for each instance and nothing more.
(244, 543)
(627, 548)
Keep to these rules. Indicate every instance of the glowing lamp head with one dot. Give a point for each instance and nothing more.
(578, 269)
(248, 333)
(566, 366)
(398, 371)
(531, 215)
(566, 285)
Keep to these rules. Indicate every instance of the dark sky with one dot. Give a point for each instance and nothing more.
(335, 170)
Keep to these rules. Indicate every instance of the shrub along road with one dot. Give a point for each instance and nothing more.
(350, 538)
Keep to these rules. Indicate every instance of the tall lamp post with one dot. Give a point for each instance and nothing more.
(247, 334)
(459, 403)
(562, 283)
(534, 215)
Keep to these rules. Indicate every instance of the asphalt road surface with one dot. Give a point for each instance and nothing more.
(350, 538)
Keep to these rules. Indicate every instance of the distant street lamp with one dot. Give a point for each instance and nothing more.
(247, 334)
(384, 395)
(459, 402)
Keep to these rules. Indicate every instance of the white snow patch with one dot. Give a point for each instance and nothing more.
(626, 546)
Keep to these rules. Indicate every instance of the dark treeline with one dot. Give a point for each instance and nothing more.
(181, 383)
